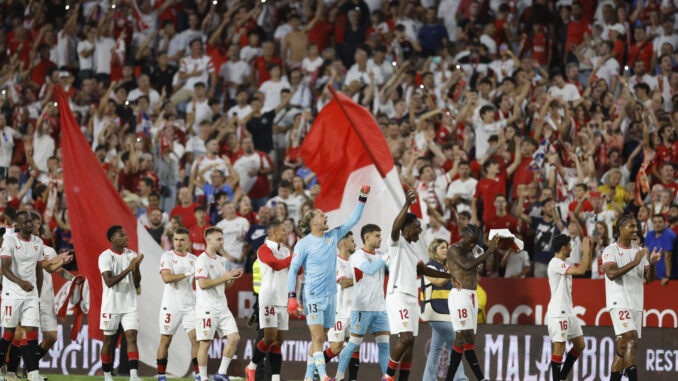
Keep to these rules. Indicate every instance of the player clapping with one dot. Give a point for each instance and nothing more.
(121, 277)
(211, 308)
(275, 261)
(178, 299)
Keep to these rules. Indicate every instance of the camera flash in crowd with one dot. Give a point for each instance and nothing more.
(68, 7)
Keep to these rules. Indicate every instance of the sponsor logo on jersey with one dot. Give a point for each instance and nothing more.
(405, 324)
(313, 317)
(357, 327)
(268, 320)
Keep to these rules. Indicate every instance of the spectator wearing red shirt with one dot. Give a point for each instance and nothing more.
(577, 28)
(321, 32)
(186, 208)
(261, 63)
(641, 50)
(42, 68)
(520, 170)
(197, 231)
(486, 190)
(501, 219)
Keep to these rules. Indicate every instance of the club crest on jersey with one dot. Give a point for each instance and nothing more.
(329, 240)
(190, 263)
(35, 247)
(562, 335)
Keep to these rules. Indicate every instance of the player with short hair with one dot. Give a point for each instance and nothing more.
(341, 330)
(178, 300)
(627, 266)
(561, 320)
(274, 261)
(211, 307)
(121, 275)
(407, 255)
(368, 307)
(316, 252)
(21, 256)
(463, 261)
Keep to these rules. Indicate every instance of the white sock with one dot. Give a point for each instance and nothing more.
(108, 374)
(252, 365)
(203, 373)
(224, 365)
(340, 376)
(275, 377)
(133, 373)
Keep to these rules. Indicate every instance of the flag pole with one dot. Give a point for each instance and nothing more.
(390, 188)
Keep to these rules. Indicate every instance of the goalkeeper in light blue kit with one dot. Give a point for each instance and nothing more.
(317, 253)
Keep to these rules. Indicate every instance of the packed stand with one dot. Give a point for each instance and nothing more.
(538, 117)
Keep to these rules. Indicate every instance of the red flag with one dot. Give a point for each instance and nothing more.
(344, 138)
(93, 206)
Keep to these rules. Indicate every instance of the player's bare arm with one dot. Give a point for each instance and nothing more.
(456, 255)
(53, 265)
(168, 277)
(400, 218)
(137, 271)
(39, 276)
(111, 280)
(7, 273)
(613, 272)
(345, 282)
(586, 249)
(422, 269)
(650, 271)
(229, 276)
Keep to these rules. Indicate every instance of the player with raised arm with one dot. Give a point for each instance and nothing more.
(368, 308)
(407, 255)
(626, 267)
(317, 252)
(178, 300)
(561, 320)
(211, 308)
(274, 260)
(21, 256)
(341, 330)
(463, 303)
(121, 276)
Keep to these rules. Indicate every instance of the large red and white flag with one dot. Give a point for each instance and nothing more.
(345, 149)
(94, 205)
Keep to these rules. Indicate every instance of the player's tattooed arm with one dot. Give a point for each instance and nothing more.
(7, 272)
(136, 271)
(613, 272)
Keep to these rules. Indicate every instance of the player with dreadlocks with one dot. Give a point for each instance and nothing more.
(626, 267)
(463, 304)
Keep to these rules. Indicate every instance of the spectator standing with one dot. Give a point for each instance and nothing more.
(662, 238)
(234, 229)
(546, 227)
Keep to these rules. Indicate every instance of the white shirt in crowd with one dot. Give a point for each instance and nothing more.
(464, 188)
(238, 111)
(569, 92)
(203, 64)
(234, 234)
(86, 63)
(102, 55)
(271, 90)
(153, 96)
(43, 149)
(236, 72)
(516, 263)
(6, 147)
(202, 112)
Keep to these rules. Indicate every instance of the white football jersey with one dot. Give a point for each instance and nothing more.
(405, 257)
(211, 301)
(25, 256)
(122, 297)
(627, 290)
(368, 294)
(344, 295)
(561, 288)
(178, 296)
(273, 289)
(47, 292)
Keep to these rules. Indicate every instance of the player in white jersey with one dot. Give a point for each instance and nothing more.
(561, 320)
(463, 301)
(211, 308)
(368, 308)
(340, 332)
(121, 275)
(22, 255)
(407, 254)
(274, 261)
(627, 266)
(178, 299)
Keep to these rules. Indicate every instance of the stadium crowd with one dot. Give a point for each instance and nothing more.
(540, 117)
